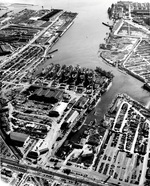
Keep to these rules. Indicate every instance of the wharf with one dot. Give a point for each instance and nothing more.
(127, 46)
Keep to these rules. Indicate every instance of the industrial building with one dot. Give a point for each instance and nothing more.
(43, 151)
(69, 119)
(142, 12)
(60, 107)
(18, 138)
(81, 103)
(32, 155)
(47, 95)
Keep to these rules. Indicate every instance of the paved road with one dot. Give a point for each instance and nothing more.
(25, 168)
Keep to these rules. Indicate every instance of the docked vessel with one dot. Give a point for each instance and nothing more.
(79, 124)
(147, 86)
(147, 81)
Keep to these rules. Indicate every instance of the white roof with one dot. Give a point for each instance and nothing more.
(73, 117)
(34, 18)
(60, 107)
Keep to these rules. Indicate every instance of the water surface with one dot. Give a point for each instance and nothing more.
(79, 45)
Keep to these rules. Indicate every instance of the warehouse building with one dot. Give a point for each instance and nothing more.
(47, 95)
(18, 139)
(32, 155)
(142, 12)
(81, 103)
(73, 117)
(60, 107)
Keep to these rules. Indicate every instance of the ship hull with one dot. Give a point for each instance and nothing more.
(146, 86)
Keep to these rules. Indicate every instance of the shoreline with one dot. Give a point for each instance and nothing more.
(121, 66)
(22, 4)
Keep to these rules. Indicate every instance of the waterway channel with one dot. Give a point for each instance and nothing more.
(80, 44)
